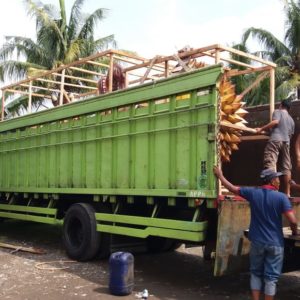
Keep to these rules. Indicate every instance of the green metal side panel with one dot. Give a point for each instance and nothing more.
(141, 141)
(29, 213)
(182, 230)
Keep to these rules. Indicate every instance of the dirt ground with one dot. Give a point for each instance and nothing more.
(182, 274)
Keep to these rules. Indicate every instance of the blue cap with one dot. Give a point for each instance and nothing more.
(268, 174)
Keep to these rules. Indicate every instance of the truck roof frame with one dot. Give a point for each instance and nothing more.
(145, 70)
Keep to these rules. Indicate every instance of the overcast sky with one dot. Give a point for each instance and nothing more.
(161, 26)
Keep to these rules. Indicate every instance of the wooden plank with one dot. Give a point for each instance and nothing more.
(152, 62)
(272, 92)
(39, 87)
(3, 104)
(75, 63)
(21, 248)
(97, 64)
(254, 84)
(27, 93)
(156, 67)
(232, 72)
(229, 60)
(171, 57)
(248, 55)
(111, 73)
(29, 97)
(87, 71)
(238, 127)
(254, 137)
(76, 78)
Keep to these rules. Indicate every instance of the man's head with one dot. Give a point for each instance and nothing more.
(285, 104)
(269, 176)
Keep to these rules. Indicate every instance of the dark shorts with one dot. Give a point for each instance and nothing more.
(278, 153)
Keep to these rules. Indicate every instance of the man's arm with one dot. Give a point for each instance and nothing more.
(294, 185)
(267, 126)
(290, 215)
(232, 188)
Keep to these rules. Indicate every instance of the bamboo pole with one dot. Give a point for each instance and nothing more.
(254, 84)
(272, 92)
(81, 86)
(3, 104)
(166, 69)
(87, 71)
(157, 67)
(213, 55)
(50, 72)
(253, 57)
(145, 76)
(29, 97)
(232, 73)
(61, 95)
(97, 64)
(111, 73)
(66, 96)
(193, 53)
(217, 56)
(76, 78)
(171, 57)
(39, 88)
(26, 93)
(86, 94)
(238, 127)
(126, 79)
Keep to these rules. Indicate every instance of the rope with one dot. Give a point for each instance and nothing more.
(43, 265)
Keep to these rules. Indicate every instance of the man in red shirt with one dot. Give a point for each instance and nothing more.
(267, 205)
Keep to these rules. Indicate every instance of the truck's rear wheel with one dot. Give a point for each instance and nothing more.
(81, 240)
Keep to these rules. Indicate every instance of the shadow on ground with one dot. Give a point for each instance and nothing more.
(175, 275)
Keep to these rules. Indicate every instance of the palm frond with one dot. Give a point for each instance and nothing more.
(74, 51)
(87, 30)
(43, 20)
(292, 23)
(75, 19)
(270, 43)
(105, 42)
(16, 70)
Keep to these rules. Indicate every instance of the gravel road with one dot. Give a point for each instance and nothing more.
(179, 275)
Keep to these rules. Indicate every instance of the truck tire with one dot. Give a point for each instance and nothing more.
(81, 240)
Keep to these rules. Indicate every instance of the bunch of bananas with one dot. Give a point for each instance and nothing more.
(232, 113)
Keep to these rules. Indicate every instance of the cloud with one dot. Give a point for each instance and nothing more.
(161, 27)
(170, 30)
(14, 21)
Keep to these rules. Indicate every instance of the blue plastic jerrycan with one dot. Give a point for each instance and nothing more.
(121, 273)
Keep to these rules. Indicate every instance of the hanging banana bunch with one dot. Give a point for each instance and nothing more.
(232, 112)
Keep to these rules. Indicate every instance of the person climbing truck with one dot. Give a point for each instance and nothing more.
(277, 150)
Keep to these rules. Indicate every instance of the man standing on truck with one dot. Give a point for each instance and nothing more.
(267, 205)
(281, 128)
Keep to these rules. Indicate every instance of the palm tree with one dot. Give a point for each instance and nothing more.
(58, 41)
(285, 54)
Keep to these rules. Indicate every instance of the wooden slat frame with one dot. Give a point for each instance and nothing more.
(163, 64)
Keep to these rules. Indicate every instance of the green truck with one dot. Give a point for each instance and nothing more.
(135, 162)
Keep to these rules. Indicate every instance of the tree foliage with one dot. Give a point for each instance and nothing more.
(58, 41)
(285, 54)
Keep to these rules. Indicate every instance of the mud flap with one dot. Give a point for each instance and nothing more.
(232, 246)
